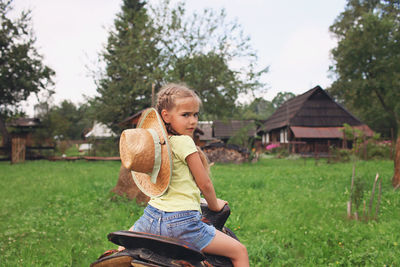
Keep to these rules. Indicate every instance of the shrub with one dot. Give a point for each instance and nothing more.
(378, 150)
(341, 155)
(105, 148)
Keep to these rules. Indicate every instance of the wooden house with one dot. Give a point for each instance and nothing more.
(310, 123)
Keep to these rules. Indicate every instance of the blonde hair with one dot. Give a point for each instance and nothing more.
(166, 99)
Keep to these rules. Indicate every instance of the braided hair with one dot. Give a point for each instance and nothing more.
(168, 94)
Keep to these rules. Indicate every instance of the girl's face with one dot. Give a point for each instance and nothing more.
(183, 117)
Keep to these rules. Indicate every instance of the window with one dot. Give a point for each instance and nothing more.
(283, 136)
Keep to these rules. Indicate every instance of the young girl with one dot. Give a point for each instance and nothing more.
(176, 213)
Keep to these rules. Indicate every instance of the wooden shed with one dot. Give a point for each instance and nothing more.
(224, 130)
(310, 123)
(21, 137)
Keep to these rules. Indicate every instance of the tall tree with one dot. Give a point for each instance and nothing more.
(160, 44)
(367, 60)
(210, 54)
(132, 59)
(22, 71)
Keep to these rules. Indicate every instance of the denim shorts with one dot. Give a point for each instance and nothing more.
(183, 225)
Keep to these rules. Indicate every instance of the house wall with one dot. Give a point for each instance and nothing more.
(301, 145)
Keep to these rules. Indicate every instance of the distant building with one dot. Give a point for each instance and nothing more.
(224, 130)
(100, 131)
(310, 123)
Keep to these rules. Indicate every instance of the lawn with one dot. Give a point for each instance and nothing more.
(287, 212)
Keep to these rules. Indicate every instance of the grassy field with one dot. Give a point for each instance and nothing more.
(287, 212)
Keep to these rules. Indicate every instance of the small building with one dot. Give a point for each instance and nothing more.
(100, 131)
(204, 133)
(310, 123)
(21, 137)
(131, 121)
(224, 130)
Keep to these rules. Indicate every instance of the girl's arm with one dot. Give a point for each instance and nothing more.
(204, 182)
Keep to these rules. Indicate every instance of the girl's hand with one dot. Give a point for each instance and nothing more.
(221, 204)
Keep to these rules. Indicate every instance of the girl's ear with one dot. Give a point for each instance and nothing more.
(165, 116)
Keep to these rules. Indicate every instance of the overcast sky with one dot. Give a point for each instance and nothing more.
(291, 37)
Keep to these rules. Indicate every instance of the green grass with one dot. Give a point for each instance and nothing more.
(287, 213)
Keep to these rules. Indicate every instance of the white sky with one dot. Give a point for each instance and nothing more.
(291, 37)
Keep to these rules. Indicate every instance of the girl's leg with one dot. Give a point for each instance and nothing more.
(227, 246)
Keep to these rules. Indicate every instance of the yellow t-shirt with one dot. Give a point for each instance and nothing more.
(182, 193)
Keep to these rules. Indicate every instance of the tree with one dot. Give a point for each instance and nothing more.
(132, 65)
(21, 69)
(259, 109)
(66, 121)
(210, 54)
(367, 60)
(281, 98)
(160, 44)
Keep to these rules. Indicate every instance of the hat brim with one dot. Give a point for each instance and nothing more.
(150, 119)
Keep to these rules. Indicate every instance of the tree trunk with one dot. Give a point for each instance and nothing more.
(4, 133)
(396, 176)
(127, 187)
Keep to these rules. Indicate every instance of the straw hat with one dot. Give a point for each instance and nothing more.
(146, 152)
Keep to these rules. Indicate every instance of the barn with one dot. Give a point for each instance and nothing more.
(310, 123)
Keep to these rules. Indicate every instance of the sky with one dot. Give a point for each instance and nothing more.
(291, 37)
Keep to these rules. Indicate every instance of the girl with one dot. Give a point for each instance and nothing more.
(178, 209)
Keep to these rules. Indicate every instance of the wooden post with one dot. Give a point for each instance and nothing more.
(392, 143)
(153, 95)
(349, 203)
(344, 141)
(18, 148)
(329, 151)
(365, 147)
(372, 196)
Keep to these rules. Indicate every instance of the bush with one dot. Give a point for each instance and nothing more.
(341, 155)
(105, 148)
(379, 150)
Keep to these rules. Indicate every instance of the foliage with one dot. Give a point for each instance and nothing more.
(132, 62)
(21, 69)
(281, 98)
(258, 109)
(362, 147)
(286, 213)
(105, 148)
(367, 59)
(340, 154)
(367, 62)
(357, 196)
(241, 137)
(64, 122)
(159, 44)
(379, 150)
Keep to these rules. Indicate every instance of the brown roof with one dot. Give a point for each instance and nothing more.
(131, 120)
(314, 108)
(24, 122)
(226, 129)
